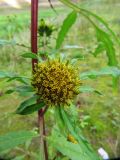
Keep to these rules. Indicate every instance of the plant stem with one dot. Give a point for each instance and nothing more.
(34, 28)
(41, 131)
(34, 49)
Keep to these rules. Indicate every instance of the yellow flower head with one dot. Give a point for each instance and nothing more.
(55, 82)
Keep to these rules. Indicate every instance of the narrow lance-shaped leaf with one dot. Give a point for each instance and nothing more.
(67, 24)
(69, 149)
(93, 15)
(106, 37)
(108, 45)
(12, 76)
(85, 146)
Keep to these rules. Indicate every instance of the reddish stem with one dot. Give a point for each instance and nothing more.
(34, 49)
(34, 28)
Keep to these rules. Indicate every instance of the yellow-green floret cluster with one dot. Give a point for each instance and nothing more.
(55, 82)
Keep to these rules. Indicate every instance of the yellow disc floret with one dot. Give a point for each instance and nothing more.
(55, 82)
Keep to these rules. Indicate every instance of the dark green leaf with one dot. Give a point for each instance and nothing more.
(29, 106)
(32, 108)
(9, 91)
(28, 102)
(14, 139)
(67, 24)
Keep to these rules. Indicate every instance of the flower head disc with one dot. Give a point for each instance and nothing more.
(56, 82)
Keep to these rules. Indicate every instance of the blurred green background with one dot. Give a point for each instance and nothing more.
(99, 115)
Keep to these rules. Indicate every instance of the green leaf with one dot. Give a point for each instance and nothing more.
(59, 119)
(88, 89)
(22, 90)
(29, 55)
(108, 71)
(32, 108)
(9, 91)
(85, 12)
(108, 45)
(6, 74)
(13, 76)
(14, 139)
(82, 142)
(29, 106)
(73, 151)
(100, 30)
(68, 123)
(100, 48)
(21, 79)
(67, 24)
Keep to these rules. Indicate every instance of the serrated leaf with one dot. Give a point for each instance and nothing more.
(29, 55)
(29, 106)
(13, 139)
(67, 24)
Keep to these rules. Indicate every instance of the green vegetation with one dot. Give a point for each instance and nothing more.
(99, 114)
